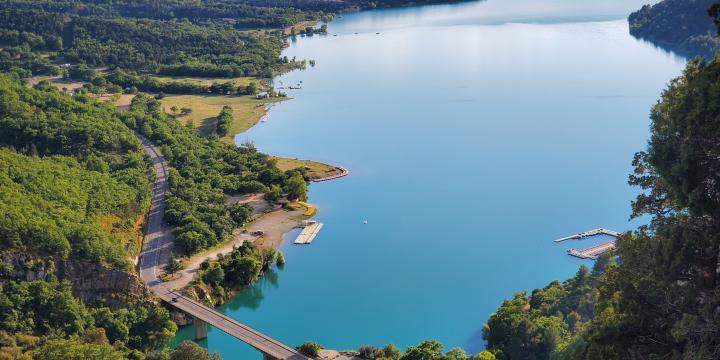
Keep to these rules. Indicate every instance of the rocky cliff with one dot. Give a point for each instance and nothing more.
(92, 283)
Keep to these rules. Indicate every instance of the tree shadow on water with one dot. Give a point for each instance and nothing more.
(252, 296)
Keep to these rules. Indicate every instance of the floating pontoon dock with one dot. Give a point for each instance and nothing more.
(593, 232)
(594, 251)
(307, 235)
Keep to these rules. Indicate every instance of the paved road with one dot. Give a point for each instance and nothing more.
(157, 249)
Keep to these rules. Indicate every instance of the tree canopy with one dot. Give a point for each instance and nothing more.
(679, 25)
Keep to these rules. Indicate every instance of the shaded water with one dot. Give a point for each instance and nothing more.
(476, 134)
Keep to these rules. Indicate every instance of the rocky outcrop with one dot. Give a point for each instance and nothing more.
(180, 318)
(92, 283)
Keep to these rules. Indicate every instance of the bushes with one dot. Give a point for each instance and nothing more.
(311, 349)
(77, 350)
(224, 121)
(296, 187)
(272, 194)
(149, 83)
(48, 308)
(240, 213)
(232, 271)
(188, 350)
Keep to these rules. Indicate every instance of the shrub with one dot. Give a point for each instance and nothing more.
(367, 352)
(310, 348)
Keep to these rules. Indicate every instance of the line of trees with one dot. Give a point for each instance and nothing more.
(224, 121)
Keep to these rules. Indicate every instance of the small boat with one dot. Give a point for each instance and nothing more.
(365, 222)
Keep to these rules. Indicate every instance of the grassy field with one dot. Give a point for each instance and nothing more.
(317, 170)
(69, 85)
(247, 111)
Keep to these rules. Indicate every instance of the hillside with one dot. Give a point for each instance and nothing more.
(683, 26)
(73, 189)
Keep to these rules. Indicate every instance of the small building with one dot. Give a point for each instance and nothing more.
(263, 95)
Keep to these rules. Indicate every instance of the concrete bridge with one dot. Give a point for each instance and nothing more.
(157, 249)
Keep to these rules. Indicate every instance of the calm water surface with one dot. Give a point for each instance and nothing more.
(476, 134)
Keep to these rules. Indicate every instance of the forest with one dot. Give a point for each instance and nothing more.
(682, 26)
(73, 181)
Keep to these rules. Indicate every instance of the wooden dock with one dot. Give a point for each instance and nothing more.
(308, 233)
(594, 251)
(593, 232)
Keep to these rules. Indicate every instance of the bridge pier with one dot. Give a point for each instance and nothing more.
(268, 357)
(201, 328)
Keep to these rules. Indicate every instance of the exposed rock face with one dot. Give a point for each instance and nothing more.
(92, 283)
(180, 318)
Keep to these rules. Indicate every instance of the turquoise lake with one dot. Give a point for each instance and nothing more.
(476, 133)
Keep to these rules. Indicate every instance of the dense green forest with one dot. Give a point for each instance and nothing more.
(211, 38)
(683, 26)
(72, 182)
(67, 162)
(662, 301)
(171, 47)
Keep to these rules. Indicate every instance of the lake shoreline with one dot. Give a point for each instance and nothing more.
(273, 221)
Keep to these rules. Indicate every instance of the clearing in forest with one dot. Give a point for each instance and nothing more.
(247, 111)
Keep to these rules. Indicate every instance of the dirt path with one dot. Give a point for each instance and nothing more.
(275, 224)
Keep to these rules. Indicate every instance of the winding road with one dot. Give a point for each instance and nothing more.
(157, 249)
